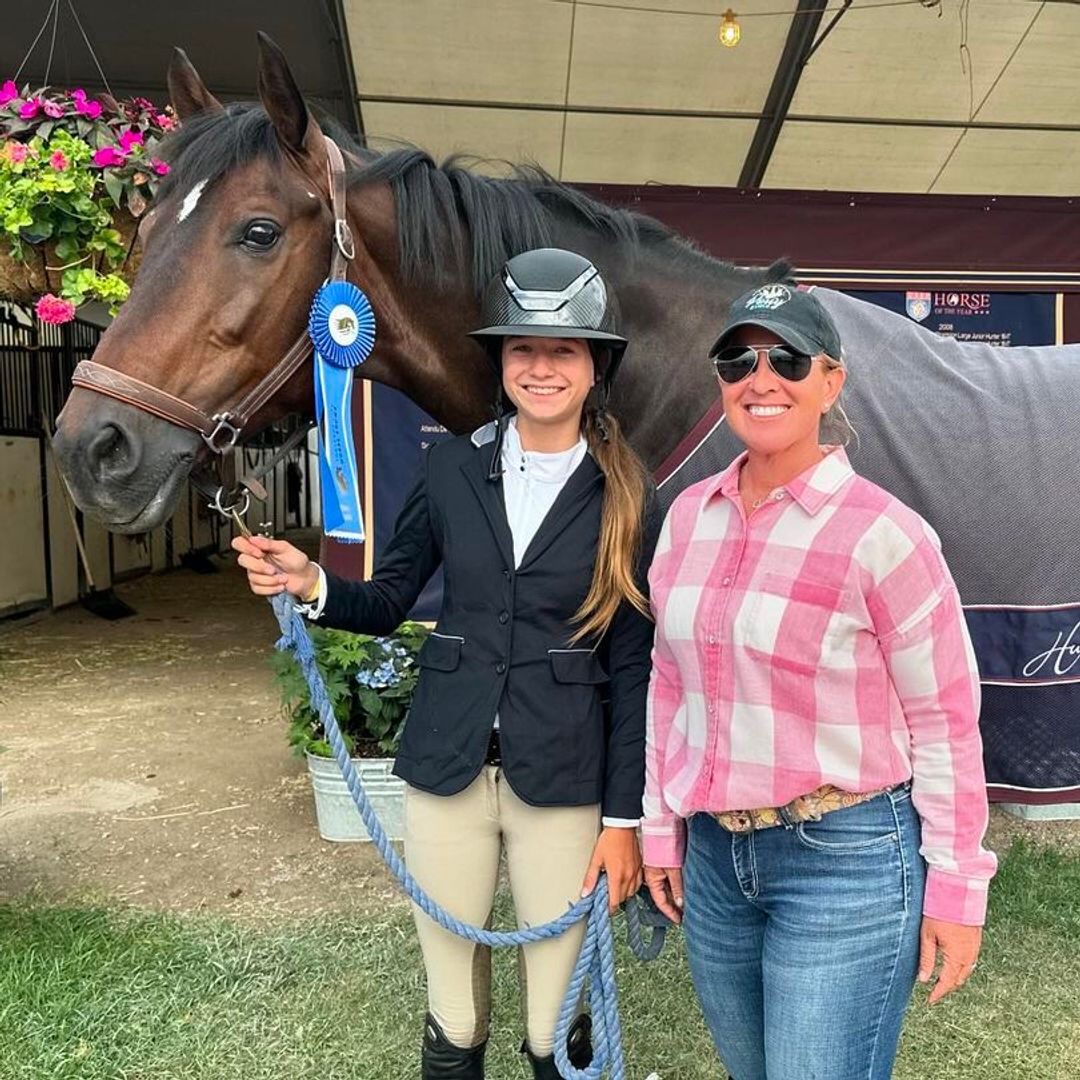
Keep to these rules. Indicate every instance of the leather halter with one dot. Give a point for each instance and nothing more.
(222, 430)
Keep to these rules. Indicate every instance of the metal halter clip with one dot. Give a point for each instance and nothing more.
(344, 239)
(232, 433)
(234, 510)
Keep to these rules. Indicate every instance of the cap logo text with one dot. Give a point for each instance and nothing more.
(768, 297)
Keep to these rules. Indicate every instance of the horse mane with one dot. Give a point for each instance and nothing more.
(449, 218)
(210, 144)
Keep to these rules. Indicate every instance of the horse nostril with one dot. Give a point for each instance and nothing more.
(111, 453)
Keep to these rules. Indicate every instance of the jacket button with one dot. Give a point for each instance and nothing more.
(504, 617)
(500, 667)
(506, 574)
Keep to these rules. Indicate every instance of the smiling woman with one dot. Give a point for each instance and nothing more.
(776, 416)
(814, 714)
(538, 522)
(548, 380)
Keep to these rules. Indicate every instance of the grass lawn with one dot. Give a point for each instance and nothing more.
(102, 993)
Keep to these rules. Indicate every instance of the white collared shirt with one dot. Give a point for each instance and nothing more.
(531, 483)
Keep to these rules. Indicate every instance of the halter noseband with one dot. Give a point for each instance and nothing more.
(221, 431)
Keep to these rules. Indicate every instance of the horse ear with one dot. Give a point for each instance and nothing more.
(186, 90)
(282, 100)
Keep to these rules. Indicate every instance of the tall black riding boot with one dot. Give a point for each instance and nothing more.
(578, 1049)
(442, 1060)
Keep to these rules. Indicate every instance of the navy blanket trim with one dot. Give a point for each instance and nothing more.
(1026, 646)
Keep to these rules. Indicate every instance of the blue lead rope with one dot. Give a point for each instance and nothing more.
(596, 962)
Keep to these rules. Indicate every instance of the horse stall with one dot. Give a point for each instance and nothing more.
(42, 529)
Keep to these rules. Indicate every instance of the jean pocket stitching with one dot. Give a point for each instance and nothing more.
(845, 847)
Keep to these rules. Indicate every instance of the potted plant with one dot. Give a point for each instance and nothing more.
(370, 681)
(76, 174)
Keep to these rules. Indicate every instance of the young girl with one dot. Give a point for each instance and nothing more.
(509, 746)
(813, 728)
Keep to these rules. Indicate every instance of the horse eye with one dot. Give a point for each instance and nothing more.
(261, 235)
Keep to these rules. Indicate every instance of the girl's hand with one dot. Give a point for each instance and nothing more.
(275, 566)
(617, 853)
(666, 887)
(959, 947)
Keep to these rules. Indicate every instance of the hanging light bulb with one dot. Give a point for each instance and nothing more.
(729, 30)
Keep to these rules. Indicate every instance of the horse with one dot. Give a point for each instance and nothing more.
(238, 241)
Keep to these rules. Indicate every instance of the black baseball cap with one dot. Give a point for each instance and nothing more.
(793, 314)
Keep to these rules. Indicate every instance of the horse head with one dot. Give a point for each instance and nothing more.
(237, 243)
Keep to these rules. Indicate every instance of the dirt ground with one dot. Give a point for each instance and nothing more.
(144, 761)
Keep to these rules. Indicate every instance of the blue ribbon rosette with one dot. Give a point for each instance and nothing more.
(342, 329)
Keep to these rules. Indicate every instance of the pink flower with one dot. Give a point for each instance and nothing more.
(129, 140)
(89, 109)
(165, 122)
(16, 152)
(51, 309)
(160, 167)
(53, 109)
(58, 161)
(8, 92)
(30, 108)
(108, 157)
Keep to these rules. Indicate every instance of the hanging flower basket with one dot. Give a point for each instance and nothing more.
(76, 174)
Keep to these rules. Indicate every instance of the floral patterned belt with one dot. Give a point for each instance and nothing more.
(810, 807)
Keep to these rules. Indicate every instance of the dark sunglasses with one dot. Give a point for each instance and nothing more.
(735, 362)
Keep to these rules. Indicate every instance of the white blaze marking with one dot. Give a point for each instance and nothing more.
(191, 200)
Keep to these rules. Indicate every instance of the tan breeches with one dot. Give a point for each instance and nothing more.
(452, 847)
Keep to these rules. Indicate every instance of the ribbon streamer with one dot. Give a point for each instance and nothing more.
(342, 329)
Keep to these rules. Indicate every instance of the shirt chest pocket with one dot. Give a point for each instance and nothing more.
(792, 622)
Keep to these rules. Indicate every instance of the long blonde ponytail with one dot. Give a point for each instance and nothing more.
(619, 544)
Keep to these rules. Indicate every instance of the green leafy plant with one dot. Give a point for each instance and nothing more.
(75, 175)
(370, 681)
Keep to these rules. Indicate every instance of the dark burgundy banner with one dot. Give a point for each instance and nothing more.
(961, 234)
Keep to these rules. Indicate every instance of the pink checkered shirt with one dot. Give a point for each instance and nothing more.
(820, 641)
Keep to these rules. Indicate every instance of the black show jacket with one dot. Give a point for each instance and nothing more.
(571, 717)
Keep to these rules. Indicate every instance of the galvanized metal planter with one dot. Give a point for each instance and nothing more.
(339, 820)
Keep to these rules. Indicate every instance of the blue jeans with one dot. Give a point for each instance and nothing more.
(804, 939)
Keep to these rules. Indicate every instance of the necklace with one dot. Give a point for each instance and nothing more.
(755, 504)
(767, 497)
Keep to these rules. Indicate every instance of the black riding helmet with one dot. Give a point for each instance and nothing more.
(549, 292)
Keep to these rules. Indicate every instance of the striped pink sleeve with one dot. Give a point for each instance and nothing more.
(926, 646)
(663, 832)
